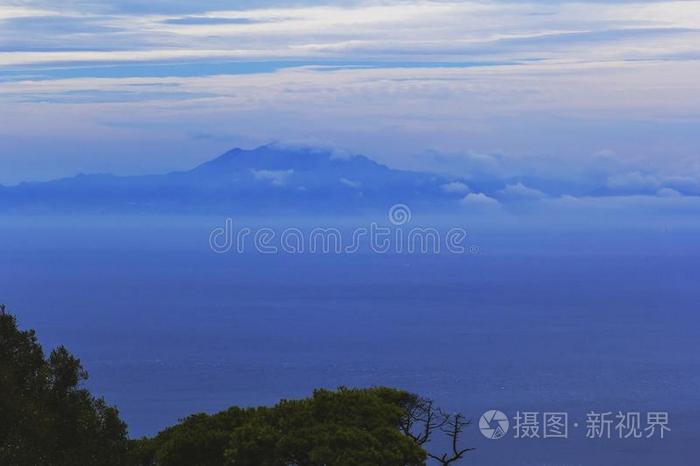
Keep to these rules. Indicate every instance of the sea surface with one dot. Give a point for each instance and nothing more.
(538, 321)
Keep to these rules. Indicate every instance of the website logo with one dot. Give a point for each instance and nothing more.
(494, 424)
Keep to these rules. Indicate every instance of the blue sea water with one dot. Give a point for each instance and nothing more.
(564, 321)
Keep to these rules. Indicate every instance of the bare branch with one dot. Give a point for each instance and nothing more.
(452, 427)
(422, 420)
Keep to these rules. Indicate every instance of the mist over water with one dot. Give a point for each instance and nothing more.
(541, 318)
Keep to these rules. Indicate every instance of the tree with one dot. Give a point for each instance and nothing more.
(45, 417)
(421, 420)
(346, 427)
(199, 440)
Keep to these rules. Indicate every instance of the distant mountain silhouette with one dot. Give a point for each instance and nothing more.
(271, 177)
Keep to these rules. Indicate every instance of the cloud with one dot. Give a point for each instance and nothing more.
(388, 114)
(210, 20)
(417, 32)
(276, 177)
(519, 191)
(455, 187)
(684, 184)
(38, 25)
(644, 183)
(621, 202)
(8, 12)
(633, 181)
(479, 200)
(503, 92)
(350, 183)
(668, 192)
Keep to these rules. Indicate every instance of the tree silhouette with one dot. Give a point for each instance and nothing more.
(422, 420)
(45, 417)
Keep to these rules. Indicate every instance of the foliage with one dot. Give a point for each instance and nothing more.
(45, 417)
(347, 427)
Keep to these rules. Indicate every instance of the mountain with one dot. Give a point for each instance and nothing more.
(270, 177)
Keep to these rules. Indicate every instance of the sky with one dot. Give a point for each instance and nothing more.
(561, 90)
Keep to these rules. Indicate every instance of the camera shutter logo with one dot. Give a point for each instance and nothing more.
(494, 424)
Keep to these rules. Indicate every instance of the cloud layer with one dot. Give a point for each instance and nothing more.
(548, 97)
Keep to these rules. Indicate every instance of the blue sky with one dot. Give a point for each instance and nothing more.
(562, 90)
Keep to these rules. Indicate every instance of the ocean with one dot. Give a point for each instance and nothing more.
(532, 320)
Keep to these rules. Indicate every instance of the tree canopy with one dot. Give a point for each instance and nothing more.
(48, 419)
(347, 427)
